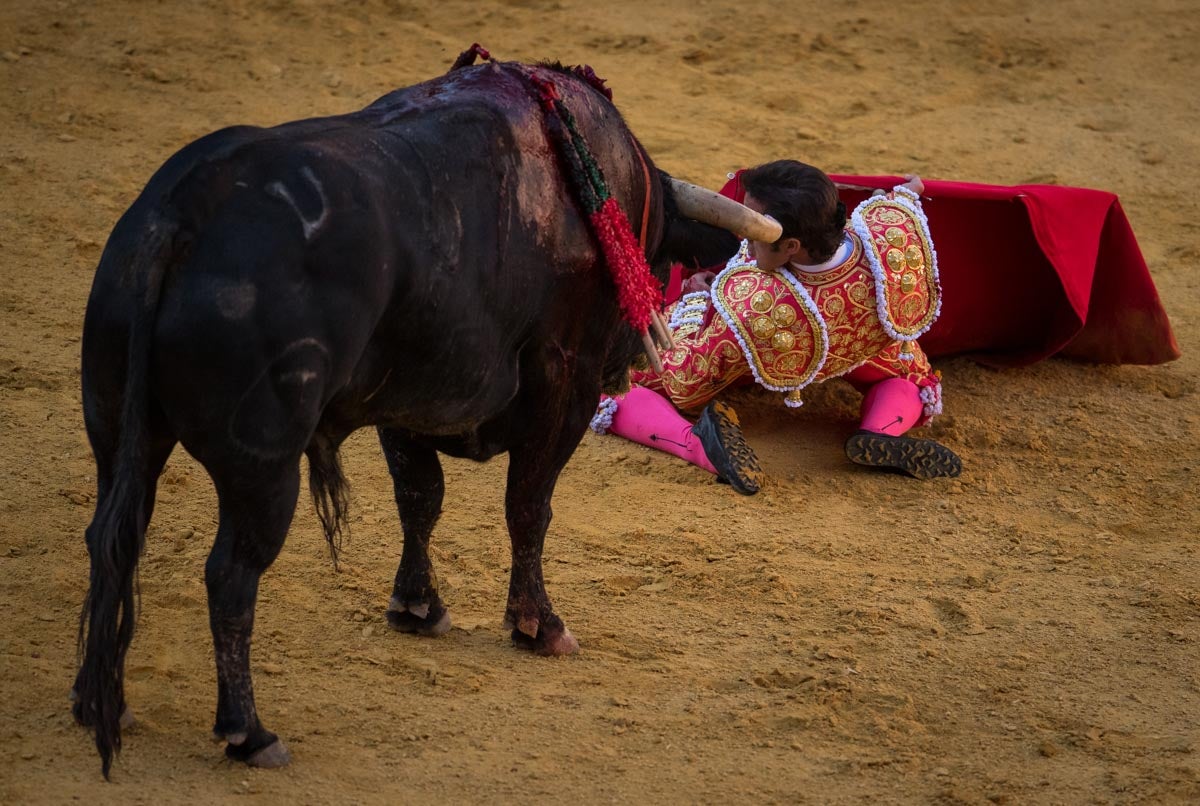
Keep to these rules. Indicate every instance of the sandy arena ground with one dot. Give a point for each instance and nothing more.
(1027, 633)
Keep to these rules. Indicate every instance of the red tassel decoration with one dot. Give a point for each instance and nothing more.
(638, 291)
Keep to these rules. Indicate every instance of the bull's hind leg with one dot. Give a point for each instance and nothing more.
(256, 508)
(419, 487)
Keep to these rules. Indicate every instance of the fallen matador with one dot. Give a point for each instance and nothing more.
(802, 321)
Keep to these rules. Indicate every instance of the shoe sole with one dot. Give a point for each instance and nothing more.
(920, 458)
(721, 436)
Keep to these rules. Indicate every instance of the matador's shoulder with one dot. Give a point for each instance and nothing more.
(897, 244)
(776, 323)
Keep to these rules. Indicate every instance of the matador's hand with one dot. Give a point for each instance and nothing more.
(914, 183)
(700, 281)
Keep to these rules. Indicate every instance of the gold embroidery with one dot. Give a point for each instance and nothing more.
(763, 327)
(742, 289)
(837, 273)
(913, 256)
(789, 363)
(782, 338)
(910, 296)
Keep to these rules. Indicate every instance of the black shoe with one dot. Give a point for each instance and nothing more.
(721, 437)
(919, 458)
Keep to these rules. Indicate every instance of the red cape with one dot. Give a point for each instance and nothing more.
(1031, 271)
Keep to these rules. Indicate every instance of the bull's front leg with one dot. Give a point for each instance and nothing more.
(531, 479)
(419, 487)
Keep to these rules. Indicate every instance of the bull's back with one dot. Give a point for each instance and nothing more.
(394, 261)
(507, 259)
(497, 257)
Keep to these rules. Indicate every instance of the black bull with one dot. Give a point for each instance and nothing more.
(421, 266)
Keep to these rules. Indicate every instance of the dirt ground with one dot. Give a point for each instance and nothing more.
(1026, 633)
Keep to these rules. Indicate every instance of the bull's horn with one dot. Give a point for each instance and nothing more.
(711, 207)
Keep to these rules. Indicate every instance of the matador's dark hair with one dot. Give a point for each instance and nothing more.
(804, 201)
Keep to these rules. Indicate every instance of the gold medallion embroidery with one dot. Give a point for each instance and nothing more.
(763, 327)
(910, 294)
(781, 336)
(784, 315)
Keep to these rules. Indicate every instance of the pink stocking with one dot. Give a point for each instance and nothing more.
(648, 418)
(891, 407)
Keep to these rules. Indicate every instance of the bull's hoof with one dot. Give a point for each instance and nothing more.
(421, 619)
(547, 643)
(257, 748)
(271, 757)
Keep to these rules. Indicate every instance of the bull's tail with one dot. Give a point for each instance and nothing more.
(330, 492)
(116, 535)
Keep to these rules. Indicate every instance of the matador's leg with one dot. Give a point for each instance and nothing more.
(890, 408)
(714, 443)
(705, 360)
